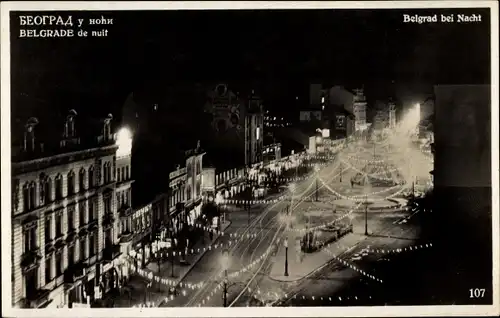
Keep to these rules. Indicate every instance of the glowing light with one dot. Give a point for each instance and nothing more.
(124, 142)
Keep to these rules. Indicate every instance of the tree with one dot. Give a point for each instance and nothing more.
(209, 211)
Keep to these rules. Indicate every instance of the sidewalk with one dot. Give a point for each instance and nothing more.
(136, 291)
(310, 262)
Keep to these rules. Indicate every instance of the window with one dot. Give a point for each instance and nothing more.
(92, 244)
(107, 205)
(59, 264)
(81, 179)
(48, 269)
(106, 175)
(107, 172)
(71, 255)
(71, 218)
(91, 210)
(82, 213)
(48, 190)
(71, 182)
(123, 173)
(127, 172)
(119, 175)
(48, 229)
(26, 197)
(59, 181)
(108, 238)
(82, 249)
(91, 177)
(31, 279)
(32, 195)
(30, 239)
(59, 230)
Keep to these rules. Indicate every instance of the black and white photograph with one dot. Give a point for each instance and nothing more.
(295, 158)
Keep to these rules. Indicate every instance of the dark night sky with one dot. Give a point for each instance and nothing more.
(278, 52)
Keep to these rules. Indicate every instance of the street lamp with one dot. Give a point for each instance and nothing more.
(225, 266)
(292, 191)
(174, 243)
(340, 171)
(316, 168)
(286, 255)
(366, 215)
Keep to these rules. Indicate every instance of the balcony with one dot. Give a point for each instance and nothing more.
(126, 237)
(125, 210)
(30, 260)
(37, 298)
(111, 252)
(108, 220)
(70, 238)
(75, 273)
(91, 261)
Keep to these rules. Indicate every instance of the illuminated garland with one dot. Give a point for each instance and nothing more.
(373, 175)
(362, 197)
(324, 298)
(347, 264)
(322, 226)
(399, 250)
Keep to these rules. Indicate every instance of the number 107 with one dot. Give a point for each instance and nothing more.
(477, 292)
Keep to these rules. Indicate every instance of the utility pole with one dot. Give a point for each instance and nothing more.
(366, 215)
(286, 256)
(317, 197)
(225, 288)
(172, 258)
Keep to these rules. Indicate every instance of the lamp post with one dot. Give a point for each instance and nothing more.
(225, 265)
(340, 171)
(316, 168)
(286, 256)
(292, 191)
(174, 243)
(366, 215)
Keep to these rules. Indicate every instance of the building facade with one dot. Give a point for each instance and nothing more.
(392, 115)
(359, 110)
(65, 229)
(339, 108)
(237, 123)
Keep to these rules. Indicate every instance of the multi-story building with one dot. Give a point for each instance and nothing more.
(359, 110)
(65, 229)
(237, 125)
(339, 108)
(426, 117)
(392, 115)
(463, 179)
(254, 130)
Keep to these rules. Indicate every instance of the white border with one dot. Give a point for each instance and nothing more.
(7, 309)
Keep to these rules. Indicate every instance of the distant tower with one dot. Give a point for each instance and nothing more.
(392, 115)
(359, 109)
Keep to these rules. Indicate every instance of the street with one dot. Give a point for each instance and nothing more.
(352, 266)
(252, 246)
